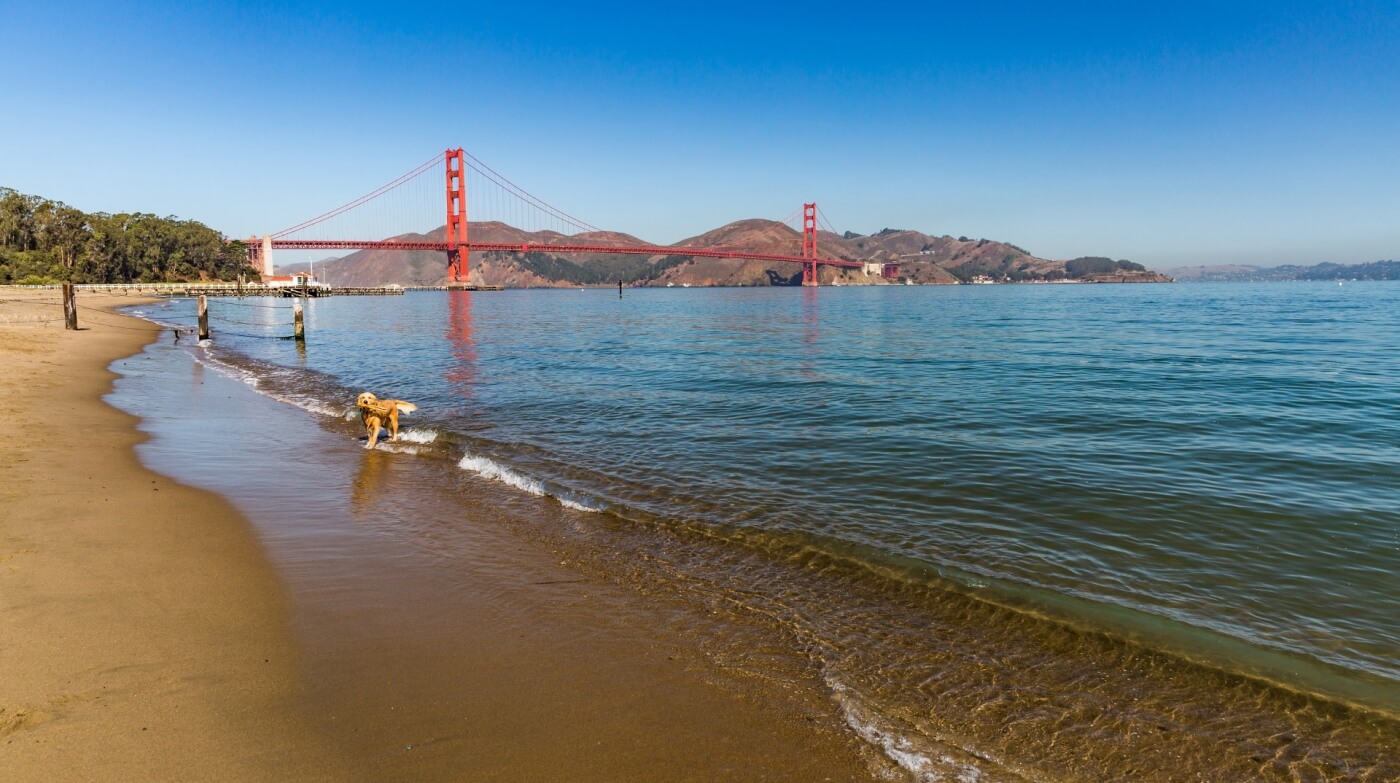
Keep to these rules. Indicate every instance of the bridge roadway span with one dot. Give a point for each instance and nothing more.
(509, 247)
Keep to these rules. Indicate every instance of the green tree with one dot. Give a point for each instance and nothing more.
(63, 231)
(47, 239)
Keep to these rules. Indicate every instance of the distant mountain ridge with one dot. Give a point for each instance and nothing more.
(923, 259)
(1375, 270)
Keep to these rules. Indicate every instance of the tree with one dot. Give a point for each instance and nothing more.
(46, 239)
(63, 231)
(1090, 265)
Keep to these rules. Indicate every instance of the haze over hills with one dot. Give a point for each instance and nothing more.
(922, 258)
(1375, 270)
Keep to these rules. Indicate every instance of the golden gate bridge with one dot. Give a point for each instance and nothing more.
(412, 196)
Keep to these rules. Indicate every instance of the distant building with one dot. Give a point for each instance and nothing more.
(881, 269)
(301, 280)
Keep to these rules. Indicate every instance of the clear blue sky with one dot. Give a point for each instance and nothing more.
(1187, 133)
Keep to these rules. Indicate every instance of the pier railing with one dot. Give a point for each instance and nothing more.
(225, 289)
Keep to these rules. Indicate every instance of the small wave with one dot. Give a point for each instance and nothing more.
(923, 766)
(487, 469)
(207, 359)
(495, 471)
(158, 321)
(581, 504)
(314, 406)
(419, 435)
(307, 403)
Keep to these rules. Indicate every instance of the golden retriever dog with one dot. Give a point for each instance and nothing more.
(377, 414)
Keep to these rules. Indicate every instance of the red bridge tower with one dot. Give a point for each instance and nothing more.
(809, 244)
(457, 252)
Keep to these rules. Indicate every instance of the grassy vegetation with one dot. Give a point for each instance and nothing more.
(44, 241)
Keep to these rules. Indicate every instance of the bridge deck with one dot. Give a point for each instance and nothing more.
(506, 247)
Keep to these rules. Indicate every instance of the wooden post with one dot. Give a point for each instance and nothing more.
(240, 286)
(70, 308)
(299, 326)
(619, 289)
(203, 318)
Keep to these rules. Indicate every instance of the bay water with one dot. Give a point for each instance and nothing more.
(1028, 532)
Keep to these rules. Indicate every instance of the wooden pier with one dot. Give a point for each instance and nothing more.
(235, 289)
(454, 287)
(258, 289)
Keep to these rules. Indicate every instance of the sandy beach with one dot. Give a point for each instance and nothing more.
(151, 631)
(145, 637)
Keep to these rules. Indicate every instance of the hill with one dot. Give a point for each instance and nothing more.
(1375, 270)
(923, 259)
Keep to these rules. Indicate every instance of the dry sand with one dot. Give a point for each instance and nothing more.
(143, 635)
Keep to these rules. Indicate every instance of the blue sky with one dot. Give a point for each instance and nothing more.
(1187, 133)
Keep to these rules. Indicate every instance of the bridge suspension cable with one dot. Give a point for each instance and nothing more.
(493, 176)
(431, 163)
(501, 216)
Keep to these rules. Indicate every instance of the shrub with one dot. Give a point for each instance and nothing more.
(1090, 265)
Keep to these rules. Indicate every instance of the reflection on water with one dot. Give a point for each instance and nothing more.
(910, 481)
(461, 373)
(369, 479)
(811, 332)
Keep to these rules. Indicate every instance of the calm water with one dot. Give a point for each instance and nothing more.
(1174, 505)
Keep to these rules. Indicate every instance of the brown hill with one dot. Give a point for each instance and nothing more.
(758, 236)
(923, 259)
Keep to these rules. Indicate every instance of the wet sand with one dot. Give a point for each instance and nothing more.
(143, 635)
(162, 635)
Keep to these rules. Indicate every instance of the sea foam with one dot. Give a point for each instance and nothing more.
(495, 471)
(419, 435)
(487, 468)
(922, 765)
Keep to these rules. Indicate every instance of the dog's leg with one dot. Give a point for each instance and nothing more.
(373, 435)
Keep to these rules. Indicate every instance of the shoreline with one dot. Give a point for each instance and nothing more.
(440, 639)
(146, 635)
(152, 653)
(919, 672)
(448, 625)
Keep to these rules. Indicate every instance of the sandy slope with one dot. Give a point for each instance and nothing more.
(143, 636)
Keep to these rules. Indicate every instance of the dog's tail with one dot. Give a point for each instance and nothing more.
(405, 407)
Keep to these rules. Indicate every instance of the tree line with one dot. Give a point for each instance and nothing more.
(44, 241)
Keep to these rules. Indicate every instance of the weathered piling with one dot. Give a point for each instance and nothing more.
(298, 323)
(70, 308)
(203, 318)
